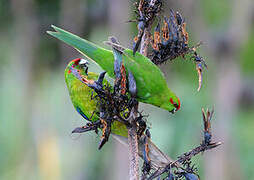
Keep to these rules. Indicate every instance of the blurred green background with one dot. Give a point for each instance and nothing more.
(36, 114)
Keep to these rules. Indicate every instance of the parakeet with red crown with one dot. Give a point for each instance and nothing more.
(80, 94)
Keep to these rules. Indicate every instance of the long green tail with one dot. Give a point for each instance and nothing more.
(88, 49)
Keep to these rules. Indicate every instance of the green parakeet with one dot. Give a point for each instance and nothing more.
(80, 95)
(151, 84)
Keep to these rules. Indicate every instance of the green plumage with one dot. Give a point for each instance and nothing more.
(151, 83)
(80, 95)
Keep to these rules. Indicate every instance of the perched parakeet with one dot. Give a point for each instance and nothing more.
(151, 84)
(80, 95)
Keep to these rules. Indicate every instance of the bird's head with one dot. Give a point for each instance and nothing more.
(79, 64)
(175, 102)
(172, 104)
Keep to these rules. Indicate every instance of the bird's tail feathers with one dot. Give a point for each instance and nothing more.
(158, 158)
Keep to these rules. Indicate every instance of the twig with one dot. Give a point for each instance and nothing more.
(132, 132)
(145, 40)
(185, 158)
(201, 148)
(147, 31)
(133, 145)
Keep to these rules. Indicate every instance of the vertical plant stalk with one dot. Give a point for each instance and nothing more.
(132, 132)
(133, 145)
(147, 32)
(145, 40)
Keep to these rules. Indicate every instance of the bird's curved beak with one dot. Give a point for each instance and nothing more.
(83, 62)
(177, 106)
(173, 111)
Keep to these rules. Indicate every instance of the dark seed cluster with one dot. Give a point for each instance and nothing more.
(146, 11)
(171, 41)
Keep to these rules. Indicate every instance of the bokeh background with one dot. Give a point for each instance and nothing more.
(36, 114)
